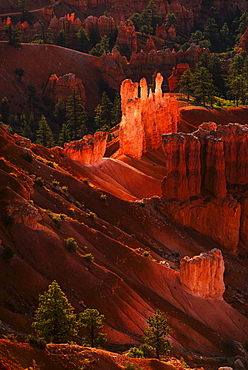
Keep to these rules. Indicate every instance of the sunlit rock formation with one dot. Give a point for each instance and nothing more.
(127, 36)
(175, 76)
(100, 26)
(145, 118)
(89, 149)
(203, 170)
(203, 274)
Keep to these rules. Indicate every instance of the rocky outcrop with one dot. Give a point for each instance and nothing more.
(88, 150)
(217, 219)
(17, 209)
(203, 275)
(175, 76)
(100, 26)
(223, 160)
(113, 68)
(69, 23)
(127, 36)
(208, 167)
(145, 118)
(61, 87)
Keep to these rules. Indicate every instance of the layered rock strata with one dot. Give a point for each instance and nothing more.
(145, 118)
(88, 150)
(203, 275)
(203, 170)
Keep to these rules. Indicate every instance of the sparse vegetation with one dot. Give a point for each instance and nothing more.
(55, 321)
(71, 244)
(103, 197)
(131, 366)
(92, 215)
(90, 321)
(89, 257)
(39, 181)
(28, 157)
(8, 253)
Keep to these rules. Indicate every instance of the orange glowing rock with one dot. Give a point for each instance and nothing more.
(203, 274)
(145, 118)
(89, 149)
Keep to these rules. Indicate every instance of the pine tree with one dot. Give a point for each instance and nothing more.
(76, 115)
(185, 82)
(65, 135)
(202, 85)
(156, 332)
(170, 20)
(12, 33)
(19, 72)
(101, 46)
(103, 117)
(55, 321)
(61, 40)
(59, 112)
(83, 40)
(116, 112)
(90, 320)
(44, 134)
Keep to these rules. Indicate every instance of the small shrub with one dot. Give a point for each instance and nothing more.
(89, 257)
(28, 157)
(32, 339)
(135, 352)
(34, 366)
(92, 215)
(8, 253)
(64, 188)
(86, 181)
(39, 181)
(56, 218)
(40, 159)
(147, 350)
(55, 183)
(132, 366)
(146, 254)
(71, 244)
(51, 164)
(103, 197)
(11, 337)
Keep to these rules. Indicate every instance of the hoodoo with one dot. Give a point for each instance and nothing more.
(203, 274)
(145, 118)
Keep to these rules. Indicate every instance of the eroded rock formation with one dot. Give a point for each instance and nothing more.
(88, 150)
(145, 118)
(61, 87)
(100, 26)
(175, 76)
(243, 41)
(208, 167)
(203, 275)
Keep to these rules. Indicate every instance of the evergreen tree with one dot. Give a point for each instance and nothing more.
(226, 38)
(152, 8)
(185, 82)
(101, 46)
(170, 20)
(90, 320)
(19, 72)
(76, 115)
(243, 24)
(12, 33)
(61, 40)
(103, 116)
(22, 4)
(202, 85)
(59, 112)
(156, 332)
(65, 135)
(238, 77)
(211, 33)
(44, 134)
(116, 112)
(83, 40)
(55, 321)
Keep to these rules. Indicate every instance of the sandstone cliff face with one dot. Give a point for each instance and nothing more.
(223, 159)
(175, 76)
(88, 150)
(127, 36)
(218, 219)
(203, 275)
(243, 41)
(100, 26)
(145, 119)
(204, 165)
(61, 87)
